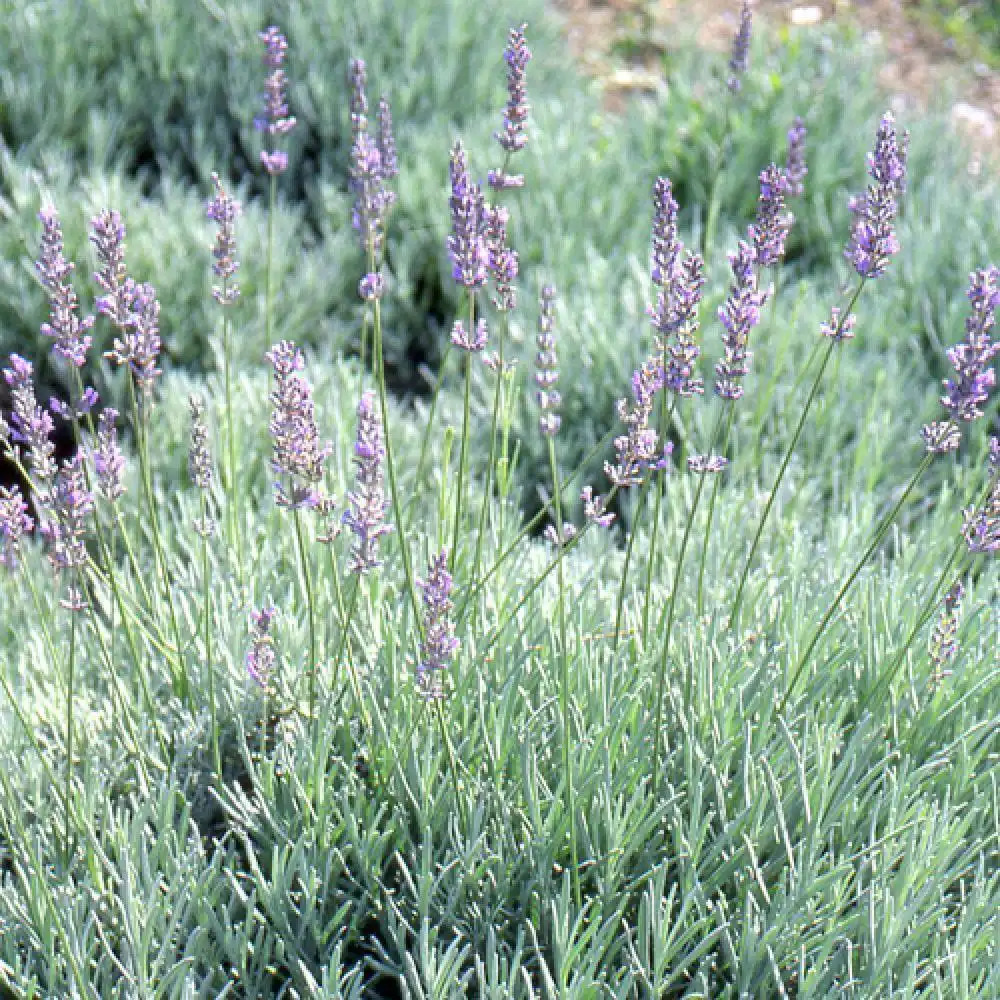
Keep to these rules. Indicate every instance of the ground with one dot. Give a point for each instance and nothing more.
(920, 61)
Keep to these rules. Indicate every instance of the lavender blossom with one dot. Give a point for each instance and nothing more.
(873, 239)
(357, 79)
(667, 248)
(512, 137)
(275, 121)
(941, 437)
(63, 526)
(473, 342)
(368, 501)
(439, 645)
(547, 366)
(770, 228)
(107, 234)
(387, 142)
(739, 314)
(109, 462)
(595, 508)
(261, 657)
(139, 343)
(371, 197)
(467, 242)
(795, 161)
(706, 464)
(224, 210)
(502, 262)
(372, 286)
(70, 333)
(199, 455)
(297, 450)
(840, 327)
(29, 425)
(553, 537)
(739, 61)
(636, 450)
(943, 643)
(15, 523)
(972, 359)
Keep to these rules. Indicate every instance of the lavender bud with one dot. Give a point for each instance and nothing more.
(943, 643)
(512, 137)
(474, 342)
(275, 121)
(439, 645)
(795, 161)
(368, 501)
(15, 523)
(502, 262)
(739, 61)
(595, 508)
(372, 286)
(467, 242)
(840, 327)
(637, 449)
(357, 80)
(199, 456)
(770, 229)
(29, 426)
(981, 525)
(553, 538)
(67, 508)
(109, 462)
(739, 315)
(139, 345)
(702, 464)
(873, 239)
(296, 448)
(941, 436)
(387, 141)
(70, 333)
(107, 234)
(371, 201)
(224, 211)
(261, 657)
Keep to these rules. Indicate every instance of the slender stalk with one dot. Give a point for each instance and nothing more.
(706, 538)
(564, 680)
(452, 766)
(737, 601)
(233, 505)
(70, 693)
(206, 577)
(626, 566)
(272, 199)
(425, 437)
(463, 458)
(876, 539)
(311, 607)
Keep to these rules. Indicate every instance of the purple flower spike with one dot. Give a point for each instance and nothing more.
(70, 333)
(502, 262)
(275, 121)
(795, 162)
(372, 286)
(107, 234)
(261, 657)
(109, 462)
(770, 229)
(139, 345)
(224, 211)
(547, 367)
(467, 242)
(297, 451)
(439, 645)
(357, 79)
(839, 328)
(199, 456)
(15, 523)
(943, 645)
(387, 141)
(474, 342)
(739, 315)
(636, 450)
(966, 394)
(739, 61)
(595, 508)
(30, 426)
(873, 239)
(667, 248)
(512, 137)
(371, 199)
(981, 528)
(368, 501)
(63, 526)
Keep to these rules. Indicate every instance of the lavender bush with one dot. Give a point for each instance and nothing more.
(328, 714)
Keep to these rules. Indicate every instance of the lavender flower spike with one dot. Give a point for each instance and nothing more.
(107, 234)
(943, 643)
(739, 61)
(297, 451)
(467, 242)
(636, 450)
(109, 462)
(275, 121)
(795, 161)
(981, 527)
(547, 367)
(357, 78)
(387, 142)
(224, 210)
(70, 333)
(368, 501)
(512, 137)
(770, 228)
(15, 523)
(29, 425)
(873, 239)
(63, 526)
(739, 315)
(261, 657)
(139, 345)
(439, 644)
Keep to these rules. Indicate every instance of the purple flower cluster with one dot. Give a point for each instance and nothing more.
(109, 462)
(139, 343)
(368, 501)
(943, 643)
(15, 523)
(474, 340)
(275, 121)
(512, 137)
(199, 455)
(981, 527)
(439, 645)
(224, 210)
(261, 657)
(840, 327)
(70, 333)
(678, 278)
(502, 262)
(972, 359)
(636, 450)
(467, 242)
(595, 508)
(739, 61)
(107, 234)
(297, 450)
(739, 314)
(873, 239)
(68, 506)
(357, 80)
(795, 160)
(547, 366)
(770, 228)
(29, 427)
(386, 142)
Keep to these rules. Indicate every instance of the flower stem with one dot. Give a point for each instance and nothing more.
(463, 458)
(311, 606)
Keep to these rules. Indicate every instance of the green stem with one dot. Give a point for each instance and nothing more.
(233, 505)
(311, 607)
(269, 280)
(464, 448)
(731, 410)
(876, 539)
(452, 766)
(206, 577)
(626, 566)
(70, 692)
